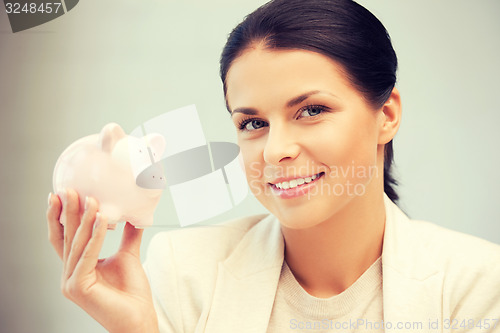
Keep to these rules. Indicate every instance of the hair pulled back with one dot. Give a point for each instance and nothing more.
(339, 29)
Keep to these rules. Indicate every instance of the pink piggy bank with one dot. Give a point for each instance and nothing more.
(121, 171)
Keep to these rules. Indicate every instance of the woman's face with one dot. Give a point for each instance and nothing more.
(309, 140)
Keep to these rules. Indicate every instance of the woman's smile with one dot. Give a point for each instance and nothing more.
(295, 187)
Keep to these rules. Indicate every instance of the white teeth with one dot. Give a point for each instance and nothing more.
(295, 182)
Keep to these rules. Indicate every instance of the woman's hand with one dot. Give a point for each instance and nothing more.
(115, 290)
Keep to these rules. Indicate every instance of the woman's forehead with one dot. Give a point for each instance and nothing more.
(261, 72)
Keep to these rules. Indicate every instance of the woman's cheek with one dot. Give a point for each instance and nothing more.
(253, 177)
(350, 164)
(252, 168)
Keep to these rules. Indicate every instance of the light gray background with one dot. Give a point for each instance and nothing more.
(127, 61)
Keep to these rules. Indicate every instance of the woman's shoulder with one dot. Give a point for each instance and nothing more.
(212, 242)
(470, 269)
(431, 244)
(453, 246)
(461, 270)
(182, 266)
(420, 248)
(470, 265)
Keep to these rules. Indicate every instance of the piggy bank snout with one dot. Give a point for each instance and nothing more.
(152, 177)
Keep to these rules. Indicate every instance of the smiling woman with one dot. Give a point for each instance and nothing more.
(307, 122)
(310, 86)
(362, 48)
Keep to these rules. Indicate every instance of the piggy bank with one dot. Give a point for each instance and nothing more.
(121, 171)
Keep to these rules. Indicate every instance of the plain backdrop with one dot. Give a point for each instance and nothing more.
(127, 61)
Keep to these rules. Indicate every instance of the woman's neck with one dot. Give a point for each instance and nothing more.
(328, 258)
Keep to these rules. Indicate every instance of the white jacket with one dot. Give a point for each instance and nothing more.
(223, 278)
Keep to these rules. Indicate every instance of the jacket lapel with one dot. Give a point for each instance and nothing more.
(412, 286)
(247, 281)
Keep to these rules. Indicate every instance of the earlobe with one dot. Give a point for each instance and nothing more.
(391, 115)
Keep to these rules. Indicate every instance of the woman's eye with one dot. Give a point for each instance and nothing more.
(251, 125)
(311, 111)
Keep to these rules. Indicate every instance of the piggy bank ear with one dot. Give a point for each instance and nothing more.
(157, 144)
(109, 136)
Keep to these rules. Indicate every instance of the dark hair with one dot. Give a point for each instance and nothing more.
(339, 29)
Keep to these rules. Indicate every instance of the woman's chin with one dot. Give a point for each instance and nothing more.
(310, 214)
(296, 218)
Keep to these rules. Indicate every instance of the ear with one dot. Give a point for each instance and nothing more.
(390, 118)
(157, 144)
(109, 136)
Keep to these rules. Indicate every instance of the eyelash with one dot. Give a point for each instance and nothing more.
(322, 109)
(244, 122)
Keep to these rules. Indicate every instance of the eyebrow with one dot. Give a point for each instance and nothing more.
(248, 111)
(294, 101)
(301, 98)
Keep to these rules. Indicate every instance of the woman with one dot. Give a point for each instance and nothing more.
(310, 89)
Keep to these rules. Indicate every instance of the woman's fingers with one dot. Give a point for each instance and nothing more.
(70, 218)
(131, 239)
(81, 237)
(56, 230)
(90, 255)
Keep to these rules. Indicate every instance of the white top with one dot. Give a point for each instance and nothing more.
(356, 309)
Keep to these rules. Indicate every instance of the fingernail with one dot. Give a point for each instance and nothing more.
(49, 199)
(86, 203)
(97, 219)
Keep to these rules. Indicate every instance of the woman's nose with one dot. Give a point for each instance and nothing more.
(281, 145)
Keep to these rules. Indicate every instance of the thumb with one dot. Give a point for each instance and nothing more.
(131, 239)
